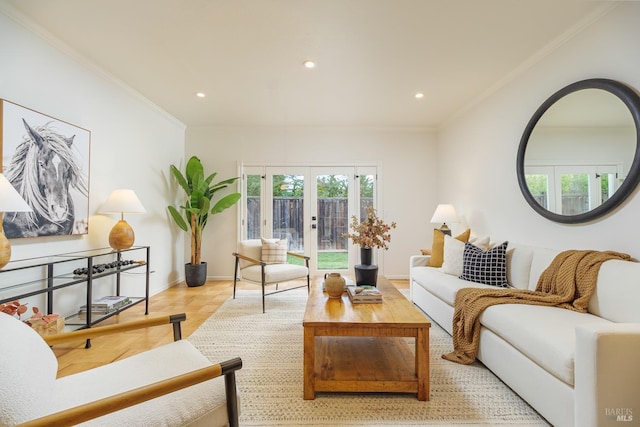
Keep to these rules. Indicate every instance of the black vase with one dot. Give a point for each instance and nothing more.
(366, 254)
(195, 275)
(366, 273)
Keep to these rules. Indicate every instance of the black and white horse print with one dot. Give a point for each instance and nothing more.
(43, 170)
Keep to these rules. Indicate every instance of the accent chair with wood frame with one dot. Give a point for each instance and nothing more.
(170, 385)
(251, 267)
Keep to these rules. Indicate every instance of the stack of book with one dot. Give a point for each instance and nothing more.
(364, 294)
(104, 305)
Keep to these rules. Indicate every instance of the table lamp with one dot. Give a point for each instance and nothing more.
(122, 201)
(445, 213)
(10, 201)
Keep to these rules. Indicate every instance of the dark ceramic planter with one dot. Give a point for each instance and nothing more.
(195, 275)
(366, 274)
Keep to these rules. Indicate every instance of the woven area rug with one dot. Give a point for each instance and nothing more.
(270, 382)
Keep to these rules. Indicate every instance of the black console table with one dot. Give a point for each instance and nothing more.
(26, 278)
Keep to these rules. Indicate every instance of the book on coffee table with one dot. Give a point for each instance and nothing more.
(364, 294)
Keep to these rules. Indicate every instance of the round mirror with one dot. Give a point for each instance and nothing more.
(579, 156)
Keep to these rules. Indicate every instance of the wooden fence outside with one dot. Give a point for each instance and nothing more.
(331, 223)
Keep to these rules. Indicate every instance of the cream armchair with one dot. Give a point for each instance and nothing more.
(253, 266)
(132, 391)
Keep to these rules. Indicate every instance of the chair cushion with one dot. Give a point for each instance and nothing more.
(274, 273)
(204, 401)
(28, 372)
(274, 251)
(251, 248)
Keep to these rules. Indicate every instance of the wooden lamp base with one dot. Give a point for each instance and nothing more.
(121, 235)
(5, 248)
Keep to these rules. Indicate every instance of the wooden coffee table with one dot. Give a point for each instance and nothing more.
(358, 347)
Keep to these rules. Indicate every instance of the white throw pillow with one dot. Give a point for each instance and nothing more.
(453, 251)
(482, 242)
(274, 251)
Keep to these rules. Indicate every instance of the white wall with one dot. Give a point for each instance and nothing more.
(132, 143)
(407, 158)
(470, 162)
(478, 149)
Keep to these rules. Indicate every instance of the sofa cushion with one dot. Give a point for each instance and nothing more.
(444, 286)
(544, 334)
(488, 267)
(437, 248)
(541, 259)
(519, 259)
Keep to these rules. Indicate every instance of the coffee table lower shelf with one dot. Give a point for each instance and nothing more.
(364, 364)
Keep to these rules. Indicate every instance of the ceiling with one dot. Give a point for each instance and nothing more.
(372, 55)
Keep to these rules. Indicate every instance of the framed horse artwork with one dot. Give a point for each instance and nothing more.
(47, 161)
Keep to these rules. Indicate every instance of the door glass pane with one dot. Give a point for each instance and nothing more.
(366, 194)
(288, 211)
(538, 185)
(253, 191)
(332, 222)
(575, 193)
(607, 186)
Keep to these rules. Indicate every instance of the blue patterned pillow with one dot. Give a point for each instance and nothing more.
(488, 267)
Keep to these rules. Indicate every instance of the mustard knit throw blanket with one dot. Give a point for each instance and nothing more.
(568, 282)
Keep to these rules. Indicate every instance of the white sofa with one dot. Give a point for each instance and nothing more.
(575, 369)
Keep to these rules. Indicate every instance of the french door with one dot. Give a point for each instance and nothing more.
(311, 207)
(572, 190)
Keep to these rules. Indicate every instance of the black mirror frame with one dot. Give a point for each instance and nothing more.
(632, 100)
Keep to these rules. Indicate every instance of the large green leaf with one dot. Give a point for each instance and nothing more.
(180, 178)
(177, 217)
(225, 203)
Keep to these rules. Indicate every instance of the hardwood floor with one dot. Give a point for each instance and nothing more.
(198, 303)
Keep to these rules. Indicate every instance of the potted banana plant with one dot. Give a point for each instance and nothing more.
(192, 217)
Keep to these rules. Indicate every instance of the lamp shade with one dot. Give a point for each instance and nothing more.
(444, 213)
(122, 201)
(10, 200)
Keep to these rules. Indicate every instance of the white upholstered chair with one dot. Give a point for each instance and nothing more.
(133, 391)
(254, 265)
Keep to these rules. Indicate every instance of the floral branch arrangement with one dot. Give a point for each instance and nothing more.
(13, 308)
(372, 232)
(38, 320)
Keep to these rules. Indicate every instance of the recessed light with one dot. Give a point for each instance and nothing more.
(309, 64)
(200, 94)
(419, 95)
